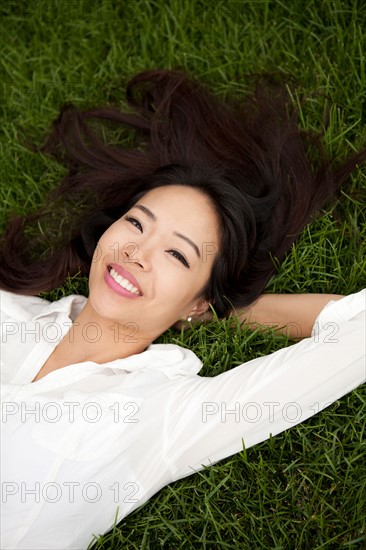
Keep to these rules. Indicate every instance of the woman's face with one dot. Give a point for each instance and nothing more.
(165, 246)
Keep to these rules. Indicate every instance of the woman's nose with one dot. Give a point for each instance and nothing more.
(138, 254)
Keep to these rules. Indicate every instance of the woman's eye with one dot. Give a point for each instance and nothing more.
(134, 222)
(179, 256)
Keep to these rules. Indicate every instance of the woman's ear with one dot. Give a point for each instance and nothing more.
(200, 308)
(200, 312)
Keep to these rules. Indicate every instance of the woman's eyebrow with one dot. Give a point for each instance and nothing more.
(152, 216)
(147, 212)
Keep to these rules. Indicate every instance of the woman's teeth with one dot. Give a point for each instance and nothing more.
(124, 283)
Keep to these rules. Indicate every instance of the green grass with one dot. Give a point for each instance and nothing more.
(303, 489)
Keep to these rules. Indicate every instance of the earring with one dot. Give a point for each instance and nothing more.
(189, 319)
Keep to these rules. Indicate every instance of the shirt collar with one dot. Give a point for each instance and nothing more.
(170, 358)
(70, 305)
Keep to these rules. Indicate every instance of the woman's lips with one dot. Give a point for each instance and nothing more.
(126, 275)
(113, 285)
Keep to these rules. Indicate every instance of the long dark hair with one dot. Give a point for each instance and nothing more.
(264, 176)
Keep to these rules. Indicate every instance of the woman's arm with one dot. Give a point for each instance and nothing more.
(293, 314)
(207, 418)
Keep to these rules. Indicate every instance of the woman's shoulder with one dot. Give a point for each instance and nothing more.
(21, 306)
(25, 308)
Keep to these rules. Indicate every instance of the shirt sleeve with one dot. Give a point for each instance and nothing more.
(211, 418)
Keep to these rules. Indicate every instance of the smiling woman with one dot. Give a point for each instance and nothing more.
(156, 281)
(195, 221)
(149, 285)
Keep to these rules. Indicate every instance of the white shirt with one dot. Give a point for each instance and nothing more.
(88, 438)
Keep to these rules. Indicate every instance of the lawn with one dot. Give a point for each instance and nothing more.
(305, 489)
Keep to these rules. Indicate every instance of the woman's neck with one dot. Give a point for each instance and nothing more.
(101, 340)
